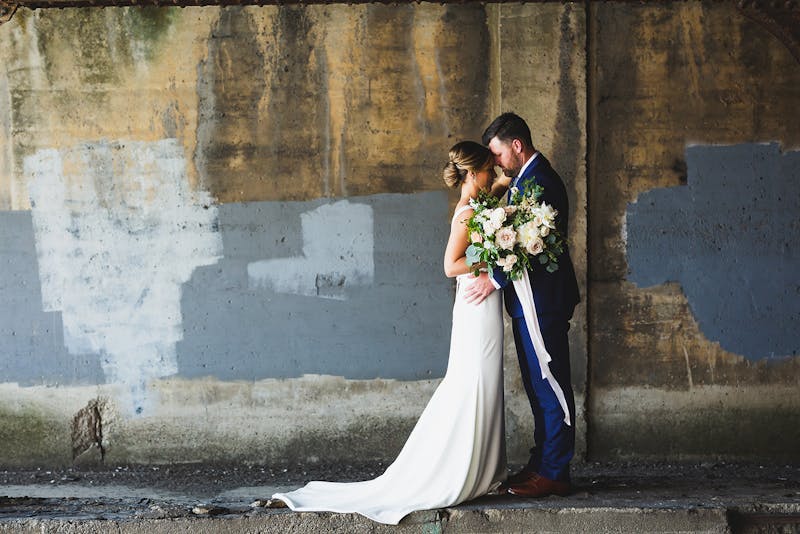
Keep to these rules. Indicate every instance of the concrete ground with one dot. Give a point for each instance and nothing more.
(707, 497)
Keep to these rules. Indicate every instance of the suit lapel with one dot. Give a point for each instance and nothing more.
(538, 164)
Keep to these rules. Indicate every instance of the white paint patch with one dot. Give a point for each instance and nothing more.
(118, 231)
(338, 249)
(624, 228)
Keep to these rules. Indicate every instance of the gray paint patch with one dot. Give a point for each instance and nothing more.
(32, 347)
(396, 327)
(730, 238)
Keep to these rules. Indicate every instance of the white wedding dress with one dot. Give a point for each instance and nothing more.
(456, 451)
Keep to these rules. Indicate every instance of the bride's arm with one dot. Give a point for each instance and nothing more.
(500, 185)
(455, 258)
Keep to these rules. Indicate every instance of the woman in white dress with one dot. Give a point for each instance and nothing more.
(456, 451)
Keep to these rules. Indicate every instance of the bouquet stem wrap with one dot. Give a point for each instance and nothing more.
(525, 294)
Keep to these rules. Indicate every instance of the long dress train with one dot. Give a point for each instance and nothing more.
(456, 451)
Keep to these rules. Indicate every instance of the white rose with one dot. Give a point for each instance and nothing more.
(475, 237)
(508, 262)
(498, 217)
(505, 237)
(489, 228)
(544, 231)
(535, 246)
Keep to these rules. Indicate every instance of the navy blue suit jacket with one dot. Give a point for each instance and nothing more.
(552, 292)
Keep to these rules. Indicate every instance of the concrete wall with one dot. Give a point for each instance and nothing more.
(693, 235)
(222, 228)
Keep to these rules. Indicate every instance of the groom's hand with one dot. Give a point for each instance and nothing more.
(478, 290)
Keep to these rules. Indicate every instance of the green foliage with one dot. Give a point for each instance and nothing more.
(513, 236)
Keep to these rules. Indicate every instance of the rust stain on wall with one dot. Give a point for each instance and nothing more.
(274, 103)
(324, 102)
(81, 75)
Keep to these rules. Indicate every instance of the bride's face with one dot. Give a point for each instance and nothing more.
(485, 178)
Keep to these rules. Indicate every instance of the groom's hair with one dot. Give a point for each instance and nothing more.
(507, 127)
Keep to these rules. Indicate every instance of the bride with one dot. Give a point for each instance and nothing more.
(456, 451)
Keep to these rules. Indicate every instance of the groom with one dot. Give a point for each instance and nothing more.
(555, 296)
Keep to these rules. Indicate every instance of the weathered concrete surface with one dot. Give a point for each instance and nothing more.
(713, 498)
(127, 133)
(540, 72)
(310, 419)
(307, 102)
(491, 520)
(682, 368)
(729, 421)
(218, 217)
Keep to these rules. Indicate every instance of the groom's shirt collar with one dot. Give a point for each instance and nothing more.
(527, 164)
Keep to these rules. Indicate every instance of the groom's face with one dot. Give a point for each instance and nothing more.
(507, 155)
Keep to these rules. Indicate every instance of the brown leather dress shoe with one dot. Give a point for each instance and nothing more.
(538, 486)
(516, 478)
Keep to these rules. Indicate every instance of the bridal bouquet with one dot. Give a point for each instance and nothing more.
(514, 236)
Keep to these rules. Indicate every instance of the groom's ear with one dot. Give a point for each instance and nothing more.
(516, 144)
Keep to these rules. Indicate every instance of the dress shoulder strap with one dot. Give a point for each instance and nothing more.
(460, 210)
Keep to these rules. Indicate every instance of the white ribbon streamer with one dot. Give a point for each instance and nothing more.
(525, 296)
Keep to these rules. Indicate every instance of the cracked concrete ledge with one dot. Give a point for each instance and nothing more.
(466, 519)
(740, 498)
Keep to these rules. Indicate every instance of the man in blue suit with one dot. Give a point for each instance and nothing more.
(555, 296)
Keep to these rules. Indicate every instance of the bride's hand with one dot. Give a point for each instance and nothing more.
(479, 289)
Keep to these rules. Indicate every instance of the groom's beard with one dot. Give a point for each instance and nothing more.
(511, 173)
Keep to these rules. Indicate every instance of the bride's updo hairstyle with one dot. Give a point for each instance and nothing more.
(466, 156)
